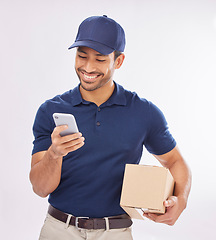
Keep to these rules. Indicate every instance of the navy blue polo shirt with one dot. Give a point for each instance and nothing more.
(115, 134)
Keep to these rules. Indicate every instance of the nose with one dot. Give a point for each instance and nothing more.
(89, 66)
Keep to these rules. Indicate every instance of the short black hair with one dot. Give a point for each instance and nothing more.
(117, 54)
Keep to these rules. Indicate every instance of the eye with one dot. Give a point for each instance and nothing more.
(81, 56)
(100, 60)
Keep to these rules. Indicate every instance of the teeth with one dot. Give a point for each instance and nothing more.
(90, 77)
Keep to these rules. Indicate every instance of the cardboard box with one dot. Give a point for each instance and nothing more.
(144, 189)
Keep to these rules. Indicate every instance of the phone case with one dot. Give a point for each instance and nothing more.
(66, 119)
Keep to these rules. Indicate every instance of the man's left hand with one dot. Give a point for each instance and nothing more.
(174, 207)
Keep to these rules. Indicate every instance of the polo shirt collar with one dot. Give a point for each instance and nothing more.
(76, 97)
(117, 98)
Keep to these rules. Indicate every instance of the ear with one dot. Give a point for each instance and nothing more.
(119, 61)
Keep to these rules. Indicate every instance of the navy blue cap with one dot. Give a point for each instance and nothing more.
(100, 33)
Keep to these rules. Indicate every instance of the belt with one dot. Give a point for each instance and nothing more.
(120, 221)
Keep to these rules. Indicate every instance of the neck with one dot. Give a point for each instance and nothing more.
(100, 95)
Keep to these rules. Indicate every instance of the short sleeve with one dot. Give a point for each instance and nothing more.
(42, 130)
(159, 140)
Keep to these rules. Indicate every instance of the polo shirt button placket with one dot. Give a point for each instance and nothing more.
(98, 122)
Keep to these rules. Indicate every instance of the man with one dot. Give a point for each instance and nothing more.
(82, 173)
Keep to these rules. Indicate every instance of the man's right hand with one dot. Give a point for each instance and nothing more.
(46, 166)
(61, 146)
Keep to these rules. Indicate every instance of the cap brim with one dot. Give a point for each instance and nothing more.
(101, 48)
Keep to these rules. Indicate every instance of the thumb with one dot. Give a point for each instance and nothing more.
(170, 202)
(57, 130)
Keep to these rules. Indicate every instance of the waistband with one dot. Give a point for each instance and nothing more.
(114, 222)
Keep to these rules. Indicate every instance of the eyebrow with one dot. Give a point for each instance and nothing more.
(98, 54)
(81, 51)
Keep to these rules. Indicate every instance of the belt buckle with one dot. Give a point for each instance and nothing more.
(77, 221)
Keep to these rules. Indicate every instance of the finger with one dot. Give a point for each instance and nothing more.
(59, 129)
(73, 142)
(71, 137)
(75, 147)
(146, 216)
(150, 216)
(64, 149)
(170, 202)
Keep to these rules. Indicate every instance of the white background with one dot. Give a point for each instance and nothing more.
(170, 60)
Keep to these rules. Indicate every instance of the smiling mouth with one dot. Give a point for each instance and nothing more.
(90, 77)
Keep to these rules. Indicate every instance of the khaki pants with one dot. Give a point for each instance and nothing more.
(54, 229)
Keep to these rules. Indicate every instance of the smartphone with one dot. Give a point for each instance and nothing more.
(66, 119)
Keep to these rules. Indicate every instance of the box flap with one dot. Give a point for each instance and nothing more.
(135, 213)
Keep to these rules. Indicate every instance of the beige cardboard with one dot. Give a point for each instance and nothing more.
(145, 188)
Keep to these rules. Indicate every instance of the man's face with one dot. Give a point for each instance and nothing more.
(93, 69)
